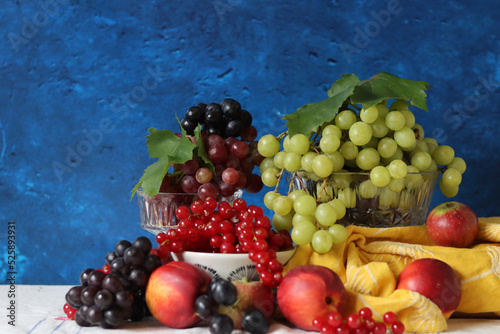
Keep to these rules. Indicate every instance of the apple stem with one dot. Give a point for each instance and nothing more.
(244, 279)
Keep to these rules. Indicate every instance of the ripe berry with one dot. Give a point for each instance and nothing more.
(398, 328)
(390, 318)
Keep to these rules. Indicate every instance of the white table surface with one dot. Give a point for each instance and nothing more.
(38, 307)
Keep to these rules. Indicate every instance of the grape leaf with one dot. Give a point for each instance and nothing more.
(168, 149)
(201, 151)
(384, 86)
(308, 118)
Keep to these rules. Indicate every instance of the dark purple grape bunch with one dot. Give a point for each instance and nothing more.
(108, 300)
(226, 119)
(223, 292)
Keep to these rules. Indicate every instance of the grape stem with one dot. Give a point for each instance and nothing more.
(281, 135)
(301, 182)
(279, 179)
(355, 107)
(321, 191)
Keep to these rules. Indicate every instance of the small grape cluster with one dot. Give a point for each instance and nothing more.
(115, 294)
(208, 226)
(233, 162)
(223, 292)
(383, 142)
(358, 323)
(226, 119)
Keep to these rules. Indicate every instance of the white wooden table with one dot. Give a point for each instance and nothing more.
(39, 311)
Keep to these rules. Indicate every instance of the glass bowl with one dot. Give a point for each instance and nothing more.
(228, 266)
(157, 213)
(369, 205)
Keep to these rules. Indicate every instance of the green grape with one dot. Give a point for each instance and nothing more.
(322, 241)
(305, 205)
(398, 156)
(418, 130)
(286, 144)
(270, 177)
(332, 130)
(325, 214)
(345, 119)
(421, 160)
(459, 164)
(430, 140)
(268, 145)
(446, 190)
(322, 165)
(282, 205)
(433, 167)
(396, 185)
(339, 233)
(292, 162)
(399, 105)
(443, 154)
(387, 198)
(299, 144)
(398, 169)
(380, 176)
(279, 159)
(421, 146)
(379, 128)
(431, 147)
(452, 177)
(413, 178)
(329, 143)
(337, 161)
(300, 218)
(404, 137)
(410, 148)
(368, 158)
(372, 143)
(293, 195)
(406, 199)
(395, 120)
(369, 115)
(342, 179)
(339, 208)
(282, 222)
(387, 147)
(382, 111)
(360, 133)
(307, 160)
(349, 150)
(266, 164)
(409, 117)
(302, 233)
(348, 197)
(269, 198)
(367, 189)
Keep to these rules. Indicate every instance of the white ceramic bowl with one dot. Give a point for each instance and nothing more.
(228, 266)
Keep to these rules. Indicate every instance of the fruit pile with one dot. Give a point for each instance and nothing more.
(114, 294)
(213, 156)
(354, 133)
(208, 226)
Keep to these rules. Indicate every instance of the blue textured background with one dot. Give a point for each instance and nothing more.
(109, 70)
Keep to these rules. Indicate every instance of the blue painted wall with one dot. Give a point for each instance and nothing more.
(90, 77)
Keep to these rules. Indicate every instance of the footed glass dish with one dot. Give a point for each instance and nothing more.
(369, 205)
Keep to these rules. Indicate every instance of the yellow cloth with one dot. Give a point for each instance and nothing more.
(371, 259)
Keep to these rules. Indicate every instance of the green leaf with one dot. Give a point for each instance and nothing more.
(201, 151)
(384, 86)
(308, 118)
(168, 149)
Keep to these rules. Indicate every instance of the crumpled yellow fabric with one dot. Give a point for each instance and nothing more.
(371, 259)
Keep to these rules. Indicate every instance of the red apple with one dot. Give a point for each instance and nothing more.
(172, 290)
(308, 292)
(452, 224)
(435, 280)
(250, 295)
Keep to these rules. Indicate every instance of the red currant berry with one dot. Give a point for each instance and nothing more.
(197, 207)
(229, 238)
(369, 323)
(260, 267)
(71, 314)
(193, 234)
(261, 257)
(327, 330)
(164, 251)
(275, 266)
(398, 327)
(106, 269)
(365, 313)
(260, 233)
(239, 205)
(212, 228)
(187, 223)
(260, 245)
(211, 203)
(161, 237)
(360, 330)
(257, 211)
(66, 308)
(271, 252)
(215, 241)
(277, 277)
(226, 227)
(177, 246)
(343, 329)
(390, 318)
(334, 319)
(263, 222)
(182, 212)
(266, 277)
(353, 321)
(227, 247)
(379, 328)
(318, 323)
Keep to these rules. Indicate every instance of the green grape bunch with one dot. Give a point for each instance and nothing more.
(380, 139)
